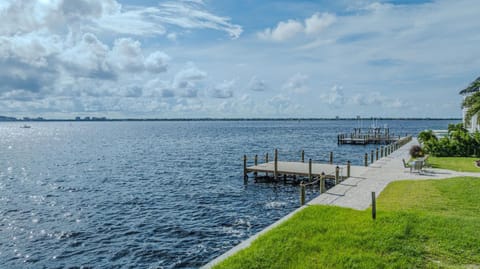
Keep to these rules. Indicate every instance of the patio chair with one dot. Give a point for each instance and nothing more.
(417, 166)
(405, 165)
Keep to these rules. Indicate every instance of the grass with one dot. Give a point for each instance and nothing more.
(461, 164)
(420, 224)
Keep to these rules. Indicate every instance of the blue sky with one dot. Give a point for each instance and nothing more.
(217, 58)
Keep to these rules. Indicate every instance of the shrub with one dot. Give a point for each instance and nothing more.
(416, 151)
(458, 143)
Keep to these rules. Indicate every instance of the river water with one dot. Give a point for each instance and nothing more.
(164, 194)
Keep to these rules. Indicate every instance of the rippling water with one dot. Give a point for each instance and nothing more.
(149, 194)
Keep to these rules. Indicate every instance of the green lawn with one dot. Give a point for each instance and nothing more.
(462, 164)
(420, 224)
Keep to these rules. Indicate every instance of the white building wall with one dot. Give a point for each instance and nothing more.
(474, 126)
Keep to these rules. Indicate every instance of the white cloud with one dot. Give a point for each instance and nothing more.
(192, 15)
(87, 58)
(172, 36)
(376, 99)
(188, 77)
(291, 28)
(334, 97)
(223, 90)
(256, 84)
(127, 55)
(318, 22)
(296, 84)
(283, 31)
(157, 62)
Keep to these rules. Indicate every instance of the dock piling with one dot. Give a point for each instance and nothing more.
(337, 175)
(381, 152)
(245, 176)
(322, 182)
(275, 171)
(376, 155)
(348, 169)
(303, 156)
(371, 156)
(302, 193)
(255, 161)
(310, 170)
(366, 159)
(266, 161)
(331, 157)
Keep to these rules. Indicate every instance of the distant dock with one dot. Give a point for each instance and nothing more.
(361, 136)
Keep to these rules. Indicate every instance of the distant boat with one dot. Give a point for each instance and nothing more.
(25, 126)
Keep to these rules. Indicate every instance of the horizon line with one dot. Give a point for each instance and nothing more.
(25, 119)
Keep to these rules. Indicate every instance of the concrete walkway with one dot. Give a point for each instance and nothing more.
(355, 192)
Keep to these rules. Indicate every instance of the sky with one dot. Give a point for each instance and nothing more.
(237, 58)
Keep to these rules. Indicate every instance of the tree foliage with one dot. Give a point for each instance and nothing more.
(458, 143)
(472, 104)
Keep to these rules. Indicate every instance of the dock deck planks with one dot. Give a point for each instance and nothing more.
(301, 169)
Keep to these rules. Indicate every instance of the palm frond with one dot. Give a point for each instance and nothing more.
(473, 87)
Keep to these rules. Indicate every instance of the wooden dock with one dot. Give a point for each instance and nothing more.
(308, 171)
(301, 169)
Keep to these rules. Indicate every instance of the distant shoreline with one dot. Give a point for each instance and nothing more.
(10, 119)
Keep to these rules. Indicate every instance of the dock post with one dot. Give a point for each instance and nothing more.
(366, 159)
(374, 206)
(337, 175)
(348, 169)
(331, 157)
(275, 165)
(255, 161)
(376, 155)
(310, 170)
(266, 161)
(245, 176)
(371, 156)
(302, 193)
(322, 182)
(303, 156)
(381, 152)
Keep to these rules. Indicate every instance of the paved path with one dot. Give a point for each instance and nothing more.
(355, 192)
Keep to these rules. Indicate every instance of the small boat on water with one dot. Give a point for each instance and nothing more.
(25, 126)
